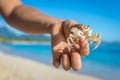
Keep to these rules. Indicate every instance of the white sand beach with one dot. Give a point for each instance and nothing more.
(18, 68)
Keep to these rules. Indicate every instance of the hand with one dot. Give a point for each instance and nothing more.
(61, 51)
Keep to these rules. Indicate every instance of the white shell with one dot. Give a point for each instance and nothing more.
(86, 32)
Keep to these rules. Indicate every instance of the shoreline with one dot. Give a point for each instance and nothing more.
(27, 42)
(91, 64)
(20, 68)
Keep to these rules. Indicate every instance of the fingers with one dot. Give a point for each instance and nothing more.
(75, 61)
(56, 59)
(66, 59)
(84, 46)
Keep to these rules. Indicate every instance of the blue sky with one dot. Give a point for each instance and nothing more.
(102, 15)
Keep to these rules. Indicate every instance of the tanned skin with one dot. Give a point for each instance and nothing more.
(32, 21)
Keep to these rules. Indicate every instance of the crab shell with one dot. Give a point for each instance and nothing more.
(83, 31)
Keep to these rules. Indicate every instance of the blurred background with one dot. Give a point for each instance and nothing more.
(103, 16)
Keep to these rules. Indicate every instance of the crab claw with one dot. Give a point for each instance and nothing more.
(97, 40)
(97, 44)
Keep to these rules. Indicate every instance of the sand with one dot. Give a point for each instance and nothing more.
(18, 68)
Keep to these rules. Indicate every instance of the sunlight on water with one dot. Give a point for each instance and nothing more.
(103, 59)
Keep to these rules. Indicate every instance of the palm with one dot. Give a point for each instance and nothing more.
(61, 51)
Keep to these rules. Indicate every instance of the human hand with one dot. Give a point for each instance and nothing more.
(61, 50)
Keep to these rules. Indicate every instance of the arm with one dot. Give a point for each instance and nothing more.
(25, 18)
(32, 21)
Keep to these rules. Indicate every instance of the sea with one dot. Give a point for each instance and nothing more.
(104, 62)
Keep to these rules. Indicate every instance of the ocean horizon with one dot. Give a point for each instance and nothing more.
(103, 62)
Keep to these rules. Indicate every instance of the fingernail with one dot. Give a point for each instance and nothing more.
(56, 65)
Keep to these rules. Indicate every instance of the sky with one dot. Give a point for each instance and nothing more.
(103, 16)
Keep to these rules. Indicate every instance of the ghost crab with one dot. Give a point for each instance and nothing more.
(83, 31)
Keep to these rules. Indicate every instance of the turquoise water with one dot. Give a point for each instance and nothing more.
(104, 62)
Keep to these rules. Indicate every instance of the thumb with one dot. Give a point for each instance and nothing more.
(67, 25)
